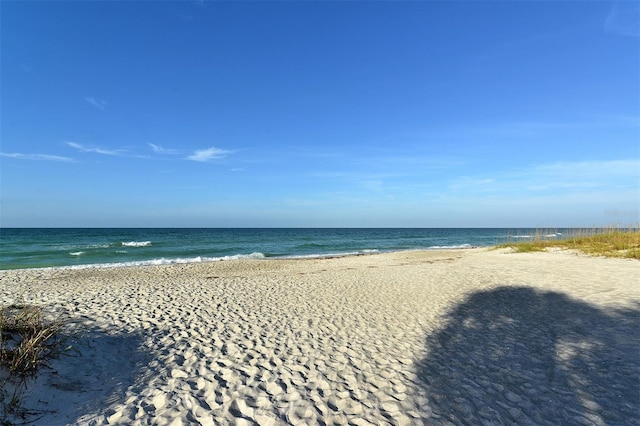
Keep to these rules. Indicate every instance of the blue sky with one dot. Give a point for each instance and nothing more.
(339, 114)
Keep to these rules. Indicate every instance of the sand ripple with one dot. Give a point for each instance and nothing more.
(461, 337)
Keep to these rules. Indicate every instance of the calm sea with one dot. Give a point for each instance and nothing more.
(63, 247)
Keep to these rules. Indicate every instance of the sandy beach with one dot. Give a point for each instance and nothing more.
(462, 337)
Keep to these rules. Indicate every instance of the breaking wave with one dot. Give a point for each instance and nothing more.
(165, 261)
(136, 244)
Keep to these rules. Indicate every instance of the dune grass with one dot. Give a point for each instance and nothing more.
(27, 340)
(608, 242)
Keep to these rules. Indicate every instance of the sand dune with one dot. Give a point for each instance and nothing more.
(435, 337)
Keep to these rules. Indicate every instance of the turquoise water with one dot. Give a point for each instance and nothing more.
(62, 247)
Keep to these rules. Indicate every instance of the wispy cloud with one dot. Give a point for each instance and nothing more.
(98, 103)
(204, 155)
(39, 157)
(555, 177)
(160, 150)
(584, 169)
(624, 19)
(523, 128)
(96, 150)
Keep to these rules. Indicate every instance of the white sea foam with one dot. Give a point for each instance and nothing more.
(136, 244)
(76, 253)
(78, 247)
(328, 255)
(459, 246)
(164, 261)
(557, 234)
(255, 255)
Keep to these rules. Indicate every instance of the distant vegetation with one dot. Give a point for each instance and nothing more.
(609, 241)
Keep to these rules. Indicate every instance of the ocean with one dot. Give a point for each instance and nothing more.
(101, 247)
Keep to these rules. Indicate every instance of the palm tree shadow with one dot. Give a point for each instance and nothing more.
(515, 355)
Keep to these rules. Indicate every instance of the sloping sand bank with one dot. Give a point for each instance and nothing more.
(433, 337)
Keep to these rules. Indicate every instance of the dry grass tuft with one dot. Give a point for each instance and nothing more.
(27, 340)
(608, 242)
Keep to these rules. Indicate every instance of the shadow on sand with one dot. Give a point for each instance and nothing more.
(102, 366)
(514, 355)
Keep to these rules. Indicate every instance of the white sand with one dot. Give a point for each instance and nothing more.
(437, 337)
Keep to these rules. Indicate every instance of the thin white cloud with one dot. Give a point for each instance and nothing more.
(520, 129)
(592, 168)
(204, 155)
(624, 19)
(98, 103)
(160, 150)
(559, 176)
(39, 157)
(96, 150)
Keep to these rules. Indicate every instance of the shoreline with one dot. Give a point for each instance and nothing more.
(28, 248)
(251, 256)
(434, 336)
